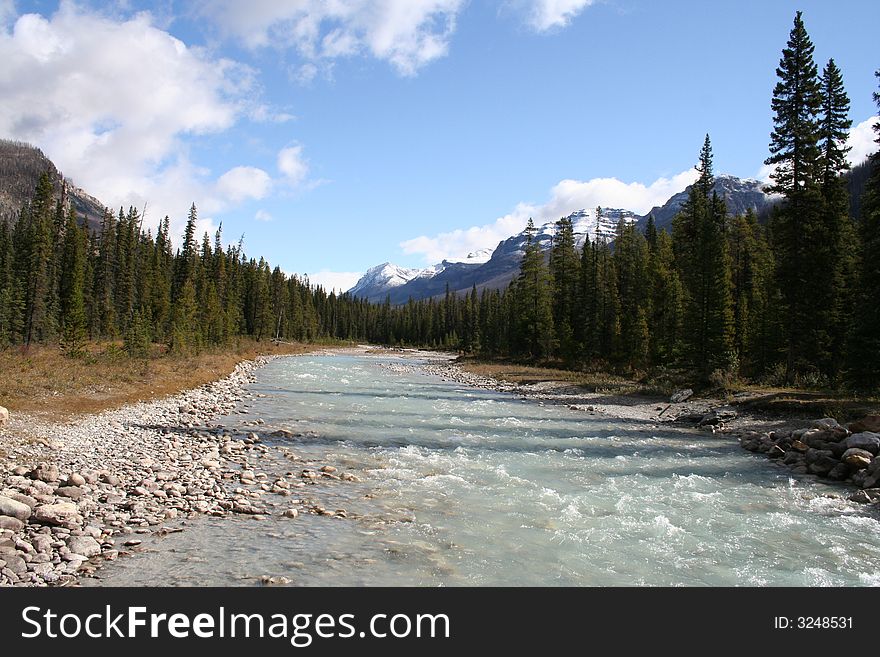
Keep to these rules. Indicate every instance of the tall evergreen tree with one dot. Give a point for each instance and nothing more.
(864, 347)
(838, 241)
(703, 259)
(565, 278)
(797, 224)
(533, 303)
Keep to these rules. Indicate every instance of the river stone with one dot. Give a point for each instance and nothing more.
(839, 472)
(823, 465)
(45, 472)
(109, 479)
(11, 523)
(867, 496)
(73, 492)
(290, 513)
(866, 440)
(76, 479)
(14, 508)
(867, 423)
(84, 545)
(62, 513)
(42, 542)
(16, 564)
(681, 395)
(857, 458)
(829, 424)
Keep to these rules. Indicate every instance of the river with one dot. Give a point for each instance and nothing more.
(464, 486)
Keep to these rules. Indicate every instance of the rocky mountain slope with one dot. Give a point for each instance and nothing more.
(496, 272)
(21, 166)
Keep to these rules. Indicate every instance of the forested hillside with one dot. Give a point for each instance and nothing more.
(719, 296)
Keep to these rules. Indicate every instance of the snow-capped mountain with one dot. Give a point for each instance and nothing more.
(384, 277)
(495, 268)
(739, 194)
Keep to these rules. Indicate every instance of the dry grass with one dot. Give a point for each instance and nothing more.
(44, 382)
(527, 374)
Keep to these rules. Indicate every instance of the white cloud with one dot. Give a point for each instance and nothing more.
(341, 281)
(113, 103)
(566, 197)
(406, 33)
(544, 15)
(292, 164)
(862, 141)
(262, 215)
(242, 183)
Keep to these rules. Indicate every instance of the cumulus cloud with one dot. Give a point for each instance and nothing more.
(862, 141)
(113, 102)
(566, 197)
(406, 33)
(340, 281)
(292, 164)
(241, 183)
(544, 15)
(262, 215)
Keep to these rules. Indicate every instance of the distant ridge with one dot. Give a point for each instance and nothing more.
(495, 271)
(21, 166)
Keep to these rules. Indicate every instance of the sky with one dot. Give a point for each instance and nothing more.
(335, 135)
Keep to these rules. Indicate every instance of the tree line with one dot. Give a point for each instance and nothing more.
(718, 296)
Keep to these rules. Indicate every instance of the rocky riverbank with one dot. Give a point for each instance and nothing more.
(73, 496)
(822, 448)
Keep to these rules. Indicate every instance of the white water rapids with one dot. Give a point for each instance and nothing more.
(462, 486)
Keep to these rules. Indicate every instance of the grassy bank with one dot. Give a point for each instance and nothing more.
(44, 382)
(776, 401)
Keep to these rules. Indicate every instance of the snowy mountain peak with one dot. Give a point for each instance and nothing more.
(385, 276)
(475, 257)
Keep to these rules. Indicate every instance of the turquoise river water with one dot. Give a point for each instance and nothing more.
(463, 486)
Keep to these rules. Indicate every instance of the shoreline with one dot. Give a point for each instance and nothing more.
(78, 494)
(74, 495)
(820, 448)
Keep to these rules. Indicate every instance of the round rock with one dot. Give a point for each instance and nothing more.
(14, 508)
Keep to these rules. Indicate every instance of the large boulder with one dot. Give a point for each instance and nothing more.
(867, 423)
(866, 440)
(831, 425)
(11, 523)
(857, 458)
(14, 508)
(47, 473)
(4, 416)
(84, 545)
(60, 514)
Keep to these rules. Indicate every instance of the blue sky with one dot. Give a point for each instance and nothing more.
(336, 135)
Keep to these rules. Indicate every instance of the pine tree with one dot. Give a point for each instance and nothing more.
(137, 337)
(666, 301)
(864, 346)
(797, 225)
(34, 249)
(698, 232)
(838, 242)
(565, 279)
(631, 268)
(73, 269)
(533, 304)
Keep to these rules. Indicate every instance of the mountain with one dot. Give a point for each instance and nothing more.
(21, 166)
(740, 194)
(498, 270)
